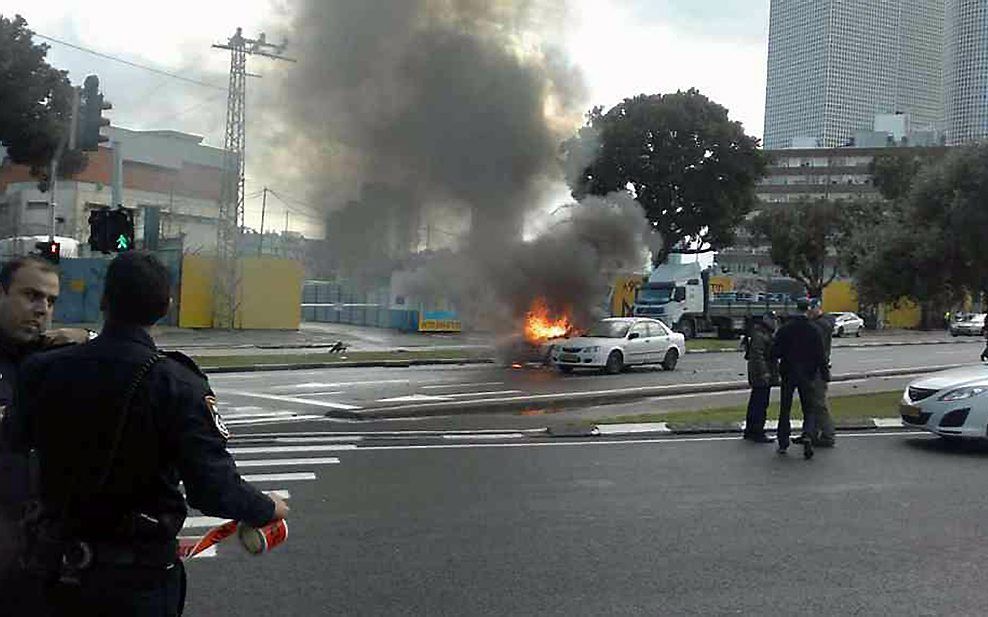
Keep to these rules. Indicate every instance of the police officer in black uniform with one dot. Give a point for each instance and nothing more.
(116, 425)
(29, 288)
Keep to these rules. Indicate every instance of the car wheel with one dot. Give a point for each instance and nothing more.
(615, 363)
(857, 332)
(840, 332)
(566, 370)
(671, 359)
(953, 333)
(688, 328)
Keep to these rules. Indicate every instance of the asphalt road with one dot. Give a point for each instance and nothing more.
(886, 524)
(284, 396)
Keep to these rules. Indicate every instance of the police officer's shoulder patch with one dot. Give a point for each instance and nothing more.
(217, 419)
(186, 361)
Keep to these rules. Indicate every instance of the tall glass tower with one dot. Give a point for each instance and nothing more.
(833, 65)
(966, 71)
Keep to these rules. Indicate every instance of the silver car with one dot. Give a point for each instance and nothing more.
(952, 404)
(847, 324)
(972, 325)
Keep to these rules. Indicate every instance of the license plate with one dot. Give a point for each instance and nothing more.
(909, 410)
(568, 357)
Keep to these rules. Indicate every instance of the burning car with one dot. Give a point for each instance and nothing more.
(613, 344)
(541, 332)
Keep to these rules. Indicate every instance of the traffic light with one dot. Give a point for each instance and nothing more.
(111, 231)
(91, 120)
(49, 250)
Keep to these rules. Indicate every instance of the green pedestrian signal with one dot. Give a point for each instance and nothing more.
(111, 230)
(122, 244)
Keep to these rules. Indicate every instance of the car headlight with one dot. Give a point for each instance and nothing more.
(591, 350)
(963, 393)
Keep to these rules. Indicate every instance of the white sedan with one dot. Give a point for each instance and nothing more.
(847, 323)
(952, 404)
(613, 344)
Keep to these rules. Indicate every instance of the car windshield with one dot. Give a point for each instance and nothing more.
(609, 329)
(655, 294)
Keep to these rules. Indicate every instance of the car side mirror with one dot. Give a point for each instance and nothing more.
(633, 336)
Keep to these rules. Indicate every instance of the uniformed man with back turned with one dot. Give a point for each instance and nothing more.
(116, 425)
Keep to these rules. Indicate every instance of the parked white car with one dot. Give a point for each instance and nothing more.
(847, 324)
(972, 325)
(613, 344)
(952, 404)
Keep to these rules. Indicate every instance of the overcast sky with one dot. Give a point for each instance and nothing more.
(623, 47)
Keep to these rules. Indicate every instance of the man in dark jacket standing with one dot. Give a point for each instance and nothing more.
(799, 348)
(825, 437)
(117, 425)
(763, 373)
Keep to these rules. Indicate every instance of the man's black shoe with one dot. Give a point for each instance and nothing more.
(807, 449)
(759, 438)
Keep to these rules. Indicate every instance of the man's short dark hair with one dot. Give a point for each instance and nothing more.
(137, 290)
(11, 267)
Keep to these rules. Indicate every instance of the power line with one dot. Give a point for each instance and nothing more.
(129, 63)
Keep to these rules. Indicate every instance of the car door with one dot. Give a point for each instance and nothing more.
(636, 347)
(658, 342)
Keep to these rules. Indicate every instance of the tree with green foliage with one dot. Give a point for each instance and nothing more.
(931, 249)
(35, 102)
(691, 168)
(893, 173)
(805, 238)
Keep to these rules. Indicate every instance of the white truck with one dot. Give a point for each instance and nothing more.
(680, 296)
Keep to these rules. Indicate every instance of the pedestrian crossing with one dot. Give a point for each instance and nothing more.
(255, 466)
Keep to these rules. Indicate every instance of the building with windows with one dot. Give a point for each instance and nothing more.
(966, 71)
(169, 172)
(833, 65)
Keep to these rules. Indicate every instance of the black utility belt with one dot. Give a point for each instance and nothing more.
(84, 554)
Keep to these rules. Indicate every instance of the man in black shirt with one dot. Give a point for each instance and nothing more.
(799, 348)
(116, 425)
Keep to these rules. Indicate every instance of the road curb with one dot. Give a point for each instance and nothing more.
(256, 368)
(716, 428)
(253, 368)
(543, 401)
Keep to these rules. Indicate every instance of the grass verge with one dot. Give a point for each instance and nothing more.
(843, 408)
(710, 344)
(212, 361)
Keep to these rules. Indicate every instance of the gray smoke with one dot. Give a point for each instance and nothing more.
(571, 266)
(455, 104)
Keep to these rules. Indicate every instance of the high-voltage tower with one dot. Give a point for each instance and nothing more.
(226, 286)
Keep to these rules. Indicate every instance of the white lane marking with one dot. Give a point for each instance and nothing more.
(773, 425)
(486, 436)
(841, 383)
(260, 414)
(887, 422)
(290, 399)
(197, 522)
(463, 385)
(414, 398)
(641, 427)
(262, 421)
(237, 410)
(696, 395)
(280, 494)
(469, 394)
(328, 439)
(608, 442)
(329, 393)
(287, 462)
(280, 477)
(286, 449)
(315, 385)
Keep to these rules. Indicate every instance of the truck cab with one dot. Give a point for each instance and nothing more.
(672, 291)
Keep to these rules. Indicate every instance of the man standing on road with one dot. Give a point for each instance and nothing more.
(827, 433)
(116, 425)
(799, 348)
(763, 373)
(28, 291)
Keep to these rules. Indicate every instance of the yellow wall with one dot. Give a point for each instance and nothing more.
(625, 290)
(196, 294)
(271, 293)
(906, 315)
(840, 297)
(721, 284)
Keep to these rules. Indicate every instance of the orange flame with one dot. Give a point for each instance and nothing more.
(540, 325)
